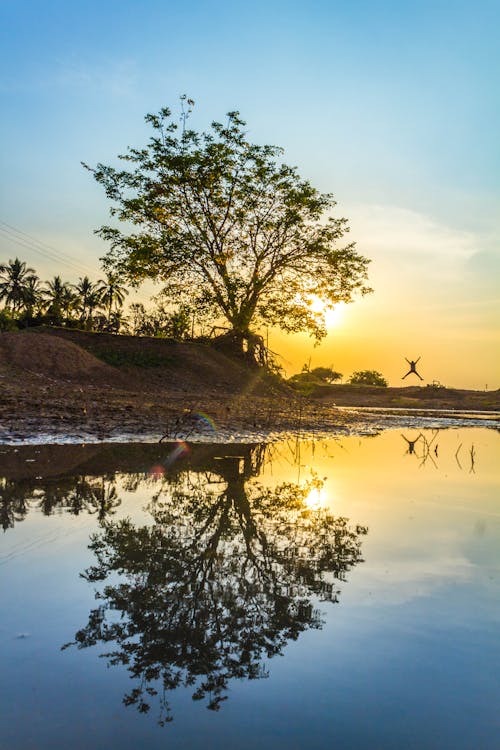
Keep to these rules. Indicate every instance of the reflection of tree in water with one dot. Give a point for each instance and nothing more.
(222, 579)
(72, 495)
(13, 502)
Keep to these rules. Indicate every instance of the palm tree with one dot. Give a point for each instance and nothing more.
(112, 293)
(17, 282)
(87, 298)
(59, 298)
(33, 295)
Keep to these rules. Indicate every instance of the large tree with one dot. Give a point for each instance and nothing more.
(227, 226)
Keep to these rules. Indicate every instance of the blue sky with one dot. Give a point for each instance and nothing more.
(391, 106)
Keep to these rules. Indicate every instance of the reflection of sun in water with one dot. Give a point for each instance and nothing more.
(316, 499)
(333, 316)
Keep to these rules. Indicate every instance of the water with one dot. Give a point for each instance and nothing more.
(340, 593)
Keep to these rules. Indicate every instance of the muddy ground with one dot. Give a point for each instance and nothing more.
(70, 385)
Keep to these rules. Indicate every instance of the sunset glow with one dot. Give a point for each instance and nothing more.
(316, 499)
(333, 315)
(401, 133)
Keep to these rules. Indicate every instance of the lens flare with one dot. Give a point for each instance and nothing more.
(206, 420)
(180, 450)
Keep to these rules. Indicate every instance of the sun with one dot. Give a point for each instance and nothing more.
(333, 315)
(316, 499)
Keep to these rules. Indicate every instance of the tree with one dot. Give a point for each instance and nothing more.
(60, 299)
(229, 229)
(32, 296)
(367, 377)
(112, 293)
(17, 282)
(88, 299)
(308, 380)
(327, 374)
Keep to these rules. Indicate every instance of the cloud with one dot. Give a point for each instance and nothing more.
(391, 230)
(485, 263)
(400, 581)
(116, 78)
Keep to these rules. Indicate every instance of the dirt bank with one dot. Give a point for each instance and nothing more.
(58, 384)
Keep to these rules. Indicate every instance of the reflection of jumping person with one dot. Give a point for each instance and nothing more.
(413, 368)
(412, 443)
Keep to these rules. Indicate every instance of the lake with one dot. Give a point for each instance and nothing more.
(341, 593)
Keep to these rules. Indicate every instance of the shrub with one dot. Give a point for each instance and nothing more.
(368, 377)
(7, 321)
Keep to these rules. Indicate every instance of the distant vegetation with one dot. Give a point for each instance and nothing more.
(91, 306)
(309, 381)
(317, 379)
(368, 377)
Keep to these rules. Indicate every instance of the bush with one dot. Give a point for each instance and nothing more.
(368, 377)
(7, 321)
(326, 374)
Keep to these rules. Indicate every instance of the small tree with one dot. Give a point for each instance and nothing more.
(367, 377)
(327, 374)
(230, 230)
(7, 320)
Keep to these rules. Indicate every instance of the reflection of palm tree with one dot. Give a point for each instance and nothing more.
(71, 494)
(223, 579)
(16, 283)
(103, 498)
(57, 494)
(78, 494)
(13, 502)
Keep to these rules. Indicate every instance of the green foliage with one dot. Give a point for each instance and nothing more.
(368, 377)
(7, 321)
(230, 230)
(161, 322)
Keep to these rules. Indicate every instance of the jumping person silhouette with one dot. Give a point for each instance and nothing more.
(413, 368)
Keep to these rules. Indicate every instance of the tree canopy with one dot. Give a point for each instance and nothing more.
(368, 377)
(229, 229)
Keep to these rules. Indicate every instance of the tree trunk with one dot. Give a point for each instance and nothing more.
(243, 344)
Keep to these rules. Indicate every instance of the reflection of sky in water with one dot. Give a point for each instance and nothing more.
(407, 659)
(430, 521)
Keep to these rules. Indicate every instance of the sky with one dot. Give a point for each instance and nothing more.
(393, 107)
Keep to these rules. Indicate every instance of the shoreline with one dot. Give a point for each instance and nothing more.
(351, 421)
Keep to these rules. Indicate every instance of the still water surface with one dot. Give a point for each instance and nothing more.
(337, 594)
